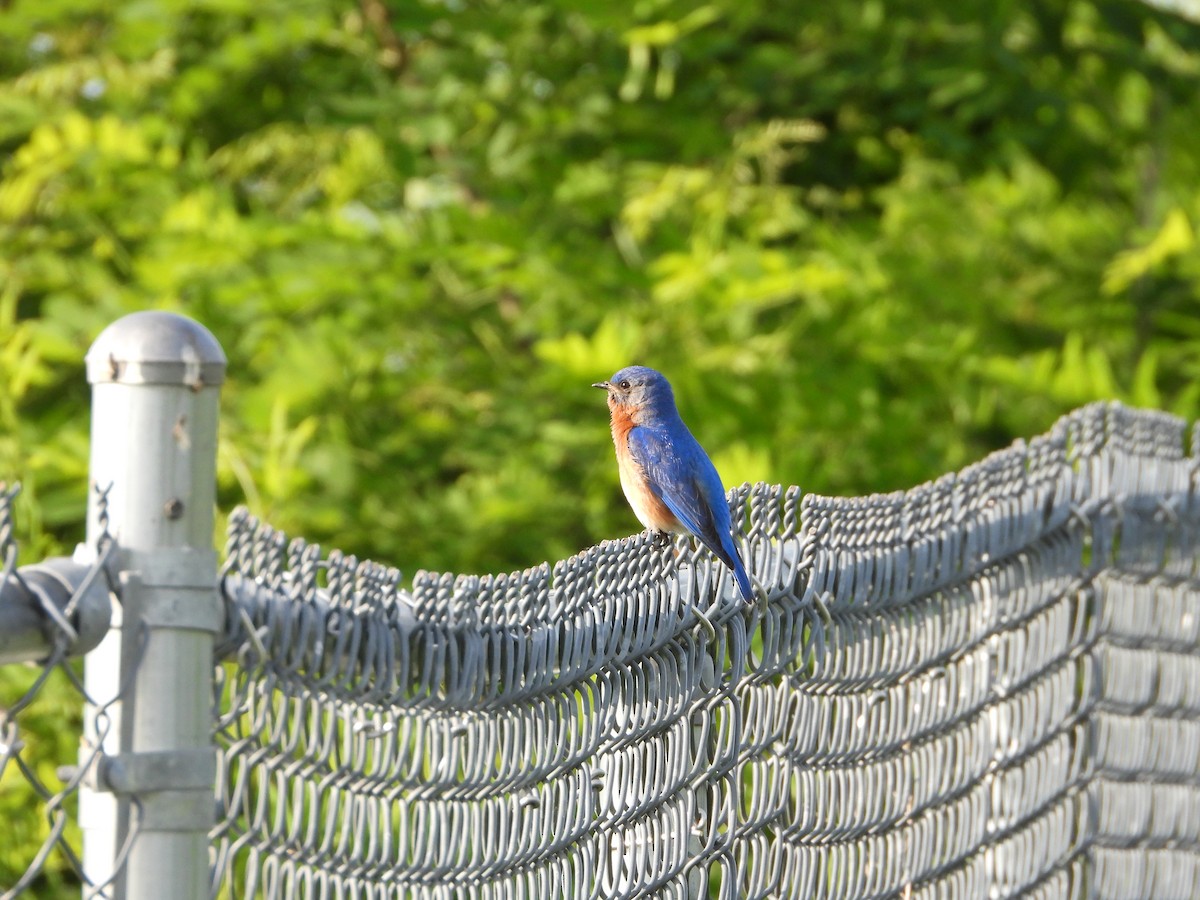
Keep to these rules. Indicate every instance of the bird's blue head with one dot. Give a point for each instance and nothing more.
(638, 390)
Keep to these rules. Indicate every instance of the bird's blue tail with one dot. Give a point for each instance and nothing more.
(743, 580)
(733, 559)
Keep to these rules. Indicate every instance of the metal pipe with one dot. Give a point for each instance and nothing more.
(155, 383)
(36, 610)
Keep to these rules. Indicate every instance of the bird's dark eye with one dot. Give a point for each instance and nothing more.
(623, 385)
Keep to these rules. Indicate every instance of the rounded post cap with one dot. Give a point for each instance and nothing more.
(156, 347)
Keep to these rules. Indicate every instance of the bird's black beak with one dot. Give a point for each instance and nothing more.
(603, 385)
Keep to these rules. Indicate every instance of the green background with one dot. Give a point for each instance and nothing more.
(867, 242)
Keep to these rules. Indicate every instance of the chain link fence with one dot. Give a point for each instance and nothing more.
(1004, 701)
(49, 614)
(987, 686)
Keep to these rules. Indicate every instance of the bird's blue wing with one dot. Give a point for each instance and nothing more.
(682, 476)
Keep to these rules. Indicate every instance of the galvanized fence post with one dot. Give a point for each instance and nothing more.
(147, 804)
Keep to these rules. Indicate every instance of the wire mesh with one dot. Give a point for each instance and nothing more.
(40, 774)
(1004, 701)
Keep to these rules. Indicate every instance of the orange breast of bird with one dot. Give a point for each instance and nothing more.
(649, 509)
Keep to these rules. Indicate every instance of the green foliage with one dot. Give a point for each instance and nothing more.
(868, 242)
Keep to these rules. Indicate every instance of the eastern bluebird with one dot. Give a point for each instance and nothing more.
(667, 477)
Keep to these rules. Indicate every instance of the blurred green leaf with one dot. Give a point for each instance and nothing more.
(1175, 238)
